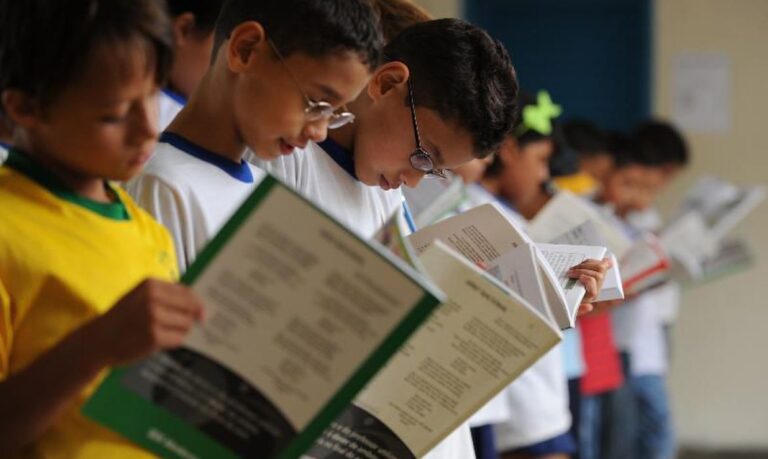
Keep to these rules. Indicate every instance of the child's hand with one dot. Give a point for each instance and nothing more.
(591, 273)
(154, 315)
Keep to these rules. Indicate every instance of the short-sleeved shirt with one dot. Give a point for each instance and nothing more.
(170, 104)
(192, 191)
(3, 152)
(325, 175)
(63, 261)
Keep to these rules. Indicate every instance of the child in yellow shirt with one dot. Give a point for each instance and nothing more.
(85, 275)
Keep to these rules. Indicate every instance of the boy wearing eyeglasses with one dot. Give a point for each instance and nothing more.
(445, 94)
(269, 89)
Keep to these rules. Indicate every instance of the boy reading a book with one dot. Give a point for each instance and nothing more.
(445, 95)
(281, 71)
(84, 273)
(658, 153)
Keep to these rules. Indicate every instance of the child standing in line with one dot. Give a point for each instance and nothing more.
(445, 95)
(281, 72)
(538, 401)
(192, 23)
(85, 275)
(640, 323)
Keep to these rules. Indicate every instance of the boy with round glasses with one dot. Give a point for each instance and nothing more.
(445, 95)
(268, 90)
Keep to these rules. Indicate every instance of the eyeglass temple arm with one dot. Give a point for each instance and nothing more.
(413, 115)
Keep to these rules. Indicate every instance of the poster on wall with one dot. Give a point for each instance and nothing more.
(701, 92)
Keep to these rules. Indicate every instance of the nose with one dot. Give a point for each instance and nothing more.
(316, 131)
(145, 120)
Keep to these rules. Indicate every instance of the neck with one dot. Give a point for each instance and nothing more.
(208, 120)
(78, 183)
(491, 185)
(344, 136)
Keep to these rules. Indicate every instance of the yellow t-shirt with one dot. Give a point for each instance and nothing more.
(579, 183)
(62, 264)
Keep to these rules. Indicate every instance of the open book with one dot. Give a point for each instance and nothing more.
(301, 314)
(566, 211)
(484, 233)
(710, 210)
(721, 204)
(471, 348)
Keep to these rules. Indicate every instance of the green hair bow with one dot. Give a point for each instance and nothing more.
(539, 117)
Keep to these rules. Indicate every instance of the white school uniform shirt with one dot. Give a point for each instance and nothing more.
(326, 182)
(3, 154)
(639, 323)
(191, 192)
(170, 104)
(537, 401)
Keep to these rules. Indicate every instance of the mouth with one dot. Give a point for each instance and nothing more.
(386, 184)
(287, 148)
(141, 159)
(383, 183)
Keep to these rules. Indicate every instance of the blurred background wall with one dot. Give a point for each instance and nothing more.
(615, 61)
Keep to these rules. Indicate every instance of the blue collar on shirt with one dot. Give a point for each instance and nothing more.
(239, 171)
(5, 146)
(175, 96)
(343, 157)
(508, 205)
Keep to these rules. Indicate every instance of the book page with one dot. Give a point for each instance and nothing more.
(689, 241)
(481, 234)
(300, 314)
(587, 234)
(646, 259)
(515, 268)
(471, 348)
(566, 211)
(613, 287)
(561, 259)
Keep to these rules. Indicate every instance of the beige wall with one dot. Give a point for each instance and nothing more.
(719, 379)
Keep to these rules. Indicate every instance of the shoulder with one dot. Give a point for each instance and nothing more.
(168, 171)
(145, 222)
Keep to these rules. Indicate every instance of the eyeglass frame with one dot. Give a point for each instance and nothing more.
(315, 110)
(420, 152)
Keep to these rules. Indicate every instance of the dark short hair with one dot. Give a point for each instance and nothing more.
(45, 44)
(659, 143)
(624, 151)
(205, 12)
(585, 138)
(463, 74)
(398, 15)
(317, 28)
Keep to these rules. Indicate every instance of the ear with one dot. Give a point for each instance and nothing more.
(247, 44)
(508, 150)
(389, 76)
(183, 27)
(20, 108)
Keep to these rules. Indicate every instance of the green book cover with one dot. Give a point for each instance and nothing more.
(301, 312)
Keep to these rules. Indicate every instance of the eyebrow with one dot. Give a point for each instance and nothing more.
(438, 155)
(330, 95)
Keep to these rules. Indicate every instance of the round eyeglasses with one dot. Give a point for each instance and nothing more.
(420, 159)
(316, 110)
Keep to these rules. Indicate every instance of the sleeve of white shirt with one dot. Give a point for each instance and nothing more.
(458, 445)
(166, 204)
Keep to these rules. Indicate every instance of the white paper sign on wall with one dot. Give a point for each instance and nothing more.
(701, 92)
